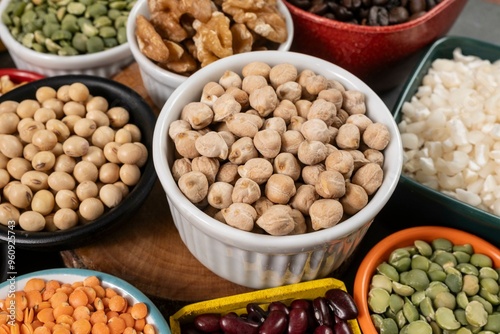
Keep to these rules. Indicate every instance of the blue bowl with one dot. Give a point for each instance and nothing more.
(67, 275)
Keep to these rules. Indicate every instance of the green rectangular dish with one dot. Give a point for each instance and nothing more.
(410, 195)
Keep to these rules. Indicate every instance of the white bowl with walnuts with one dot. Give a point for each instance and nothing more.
(171, 41)
(274, 165)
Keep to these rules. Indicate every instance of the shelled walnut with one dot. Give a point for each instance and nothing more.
(183, 36)
(282, 164)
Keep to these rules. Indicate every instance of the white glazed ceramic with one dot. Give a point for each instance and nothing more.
(159, 82)
(255, 260)
(70, 275)
(104, 64)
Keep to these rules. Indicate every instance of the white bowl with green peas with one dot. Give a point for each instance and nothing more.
(67, 38)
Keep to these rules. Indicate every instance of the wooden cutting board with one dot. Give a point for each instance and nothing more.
(147, 250)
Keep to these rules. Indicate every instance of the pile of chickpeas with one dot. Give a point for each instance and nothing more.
(66, 157)
(279, 151)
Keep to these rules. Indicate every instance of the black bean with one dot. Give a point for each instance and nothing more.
(378, 16)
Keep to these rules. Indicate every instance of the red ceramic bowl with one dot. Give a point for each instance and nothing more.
(369, 51)
(19, 76)
(381, 251)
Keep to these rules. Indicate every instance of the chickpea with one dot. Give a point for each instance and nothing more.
(268, 143)
(61, 181)
(331, 184)
(17, 167)
(240, 215)
(280, 188)
(84, 127)
(211, 91)
(341, 161)
(208, 166)
(244, 124)
(311, 173)
(185, 144)
(242, 150)
(91, 208)
(230, 79)
(176, 127)
(35, 180)
(311, 152)
(43, 202)
(296, 123)
(225, 106)
(118, 117)
(228, 173)
(369, 176)
(303, 107)
(282, 73)
(11, 146)
(355, 198)
(257, 169)
(109, 173)
(264, 100)
(8, 213)
(285, 110)
(316, 84)
(316, 129)
(31, 221)
(305, 196)
(43, 161)
(333, 95)
(65, 163)
(374, 156)
(197, 114)
(376, 136)
(65, 218)
(256, 68)
(261, 205)
(219, 195)
(180, 167)
(85, 171)
(290, 141)
(325, 213)
(44, 139)
(210, 145)
(194, 185)
(130, 174)
(348, 137)
(277, 220)
(76, 146)
(245, 190)
(43, 115)
(86, 189)
(287, 164)
(8, 123)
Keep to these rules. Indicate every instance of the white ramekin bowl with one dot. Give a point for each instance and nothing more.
(257, 260)
(104, 64)
(159, 82)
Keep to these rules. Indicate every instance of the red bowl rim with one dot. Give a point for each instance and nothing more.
(18, 76)
(405, 238)
(440, 7)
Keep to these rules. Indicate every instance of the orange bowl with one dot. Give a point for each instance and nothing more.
(381, 251)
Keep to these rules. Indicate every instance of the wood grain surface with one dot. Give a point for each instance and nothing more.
(146, 250)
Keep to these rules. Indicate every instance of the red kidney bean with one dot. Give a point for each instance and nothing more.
(256, 313)
(322, 311)
(342, 304)
(297, 321)
(342, 327)
(323, 329)
(277, 305)
(233, 324)
(208, 322)
(190, 329)
(306, 305)
(275, 323)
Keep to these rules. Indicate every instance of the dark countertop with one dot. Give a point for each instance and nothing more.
(479, 19)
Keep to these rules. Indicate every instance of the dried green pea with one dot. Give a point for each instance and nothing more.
(470, 285)
(122, 35)
(420, 262)
(107, 32)
(487, 272)
(481, 260)
(490, 297)
(76, 8)
(454, 279)
(462, 257)
(378, 300)
(377, 320)
(96, 10)
(417, 297)
(67, 51)
(110, 42)
(396, 302)
(462, 299)
(442, 244)
(113, 14)
(95, 44)
(70, 24)
(400, 319)
(417, 327)
(389, 326)
(486, 304)
(427, 308)
(444, 259)
(102, 21)
(445, 299)
(28, 40)
(416, 278)
(410, 311)
(460, 316)
(386, 269)
(476, 314)
(59, 35)
(49, 28)
(402, 289)
(436, 287)
(80, 42)
(446, 319)
(51, 46)
(467, 269)
(381, 281)
(118, 5)
(493, 324)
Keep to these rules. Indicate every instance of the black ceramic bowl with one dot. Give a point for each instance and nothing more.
(141, 115)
